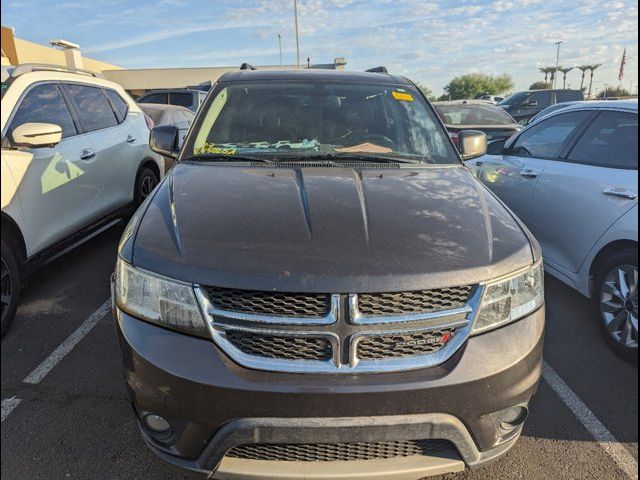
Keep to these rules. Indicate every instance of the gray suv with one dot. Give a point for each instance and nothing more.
(321, 289)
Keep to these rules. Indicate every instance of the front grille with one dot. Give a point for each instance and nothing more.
(405, 303)
(381, 347)
(270, 303)
(331, 452)
(282, 347)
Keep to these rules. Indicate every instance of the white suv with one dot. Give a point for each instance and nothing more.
(75, 160)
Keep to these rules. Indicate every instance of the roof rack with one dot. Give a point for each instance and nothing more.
(380, 69)
(247, 66)
(43, 67)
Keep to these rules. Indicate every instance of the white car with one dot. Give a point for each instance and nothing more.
(75, 160)
(572, 178)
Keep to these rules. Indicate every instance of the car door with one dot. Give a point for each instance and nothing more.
(578, 197)
(111, 139)
(514, 174)
(58, 190)
(532, 104)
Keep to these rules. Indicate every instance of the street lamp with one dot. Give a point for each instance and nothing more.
(295, 13)
(555, 75)
(280, 47)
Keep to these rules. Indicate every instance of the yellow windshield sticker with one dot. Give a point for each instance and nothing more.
(208, 148)
(402, 96)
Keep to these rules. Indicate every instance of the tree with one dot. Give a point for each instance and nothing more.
(614, 92)
(564, 71)
(592, 68)
(540, 86)
(426, 91)
(468, 86)
(583, 69)
(548, 71)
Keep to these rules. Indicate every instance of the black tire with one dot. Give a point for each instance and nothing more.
(145, 183)
(617, 309)
(10, 289)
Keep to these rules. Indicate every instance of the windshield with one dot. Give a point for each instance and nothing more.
(314, 119)
(516, 98)
(473, 114)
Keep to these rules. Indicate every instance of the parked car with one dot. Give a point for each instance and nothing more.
(550, 109)
(572, 177)
(183, 97)
(489, 98)
(75, 159)
(180, 117)
(476, 115)
(320, 269)
(525, 105)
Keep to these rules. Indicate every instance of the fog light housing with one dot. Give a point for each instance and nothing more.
(508, 421)
(156, 423)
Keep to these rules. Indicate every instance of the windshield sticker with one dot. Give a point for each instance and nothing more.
(407, 97)
(213, 149)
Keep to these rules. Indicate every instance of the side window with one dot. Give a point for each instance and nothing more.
(158, 97)
(184, 99)
(610, 141)
(45, 104)
(566, 96)
(542, 98)
(118, 103)
(94, 110)
(544, 139)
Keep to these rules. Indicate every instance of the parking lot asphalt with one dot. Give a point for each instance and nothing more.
(77, 423)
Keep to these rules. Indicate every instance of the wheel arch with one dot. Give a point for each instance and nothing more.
(604, 253)
(150, 163)
(12, 233)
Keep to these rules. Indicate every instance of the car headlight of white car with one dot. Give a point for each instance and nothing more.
(158, 299)
(510, 298)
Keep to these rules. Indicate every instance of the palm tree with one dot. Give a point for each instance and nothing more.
(583, 69)
(547, 71)
(564, 71)
(592, 68)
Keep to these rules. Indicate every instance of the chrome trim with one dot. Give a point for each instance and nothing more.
(331, 327)
(357, 318)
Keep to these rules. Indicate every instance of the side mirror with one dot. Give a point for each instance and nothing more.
(532, 103)
(164, 140)
(472, 144)
(496, 147)
(36, 135)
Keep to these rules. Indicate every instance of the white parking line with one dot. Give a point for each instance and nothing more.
(604, 437)
(8, 404)
(65, 347)
(41, 371)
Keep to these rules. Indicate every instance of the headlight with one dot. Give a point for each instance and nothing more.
(509, 299)
(158, 299)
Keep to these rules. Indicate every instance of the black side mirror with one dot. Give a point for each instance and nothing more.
(163, 139)
(472, 144)
(496, 147)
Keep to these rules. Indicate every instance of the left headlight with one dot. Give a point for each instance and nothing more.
(510, 299)
(157, 299)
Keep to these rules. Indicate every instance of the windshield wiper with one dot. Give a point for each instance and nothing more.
(347, 157)
(225, 158)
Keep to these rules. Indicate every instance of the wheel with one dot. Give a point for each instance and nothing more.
(617, 297)
(145, 183)
(10, 289)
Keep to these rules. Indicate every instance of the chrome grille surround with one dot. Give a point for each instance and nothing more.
(343, 327)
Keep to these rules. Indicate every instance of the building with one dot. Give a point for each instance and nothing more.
(136, 81)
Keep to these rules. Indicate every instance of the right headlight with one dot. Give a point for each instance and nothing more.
(510, 299)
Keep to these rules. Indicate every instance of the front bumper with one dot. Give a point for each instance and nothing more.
(214, 404)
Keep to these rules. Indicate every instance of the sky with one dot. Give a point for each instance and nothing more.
(429, 42)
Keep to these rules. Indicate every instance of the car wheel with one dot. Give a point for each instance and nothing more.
(10, 288)
(145, 183)
(617, 297)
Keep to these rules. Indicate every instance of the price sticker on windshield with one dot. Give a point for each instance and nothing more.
(406, 97)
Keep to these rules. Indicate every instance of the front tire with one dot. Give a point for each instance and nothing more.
(145, 183)
(10, 288)
(617, 300)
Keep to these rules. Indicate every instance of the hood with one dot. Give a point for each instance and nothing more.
(334, 230)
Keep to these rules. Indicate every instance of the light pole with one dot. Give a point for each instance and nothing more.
(605, 94)
(555, 75)
(280, 47)
(295, 13)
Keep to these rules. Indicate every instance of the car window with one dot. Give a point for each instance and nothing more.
(473, 114)
(119, 104)
(158, 97)
(566, 96)
(542, 98)
(93, 108)
(185, 118)
(184, 99)
(610, 141)
(544, 139)
(45, 104)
